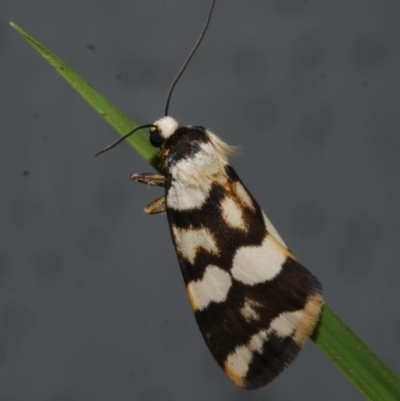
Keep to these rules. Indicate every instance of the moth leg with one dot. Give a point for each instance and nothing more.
(149, 178)
(157, 206)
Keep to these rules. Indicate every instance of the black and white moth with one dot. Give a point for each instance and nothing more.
(255, 304)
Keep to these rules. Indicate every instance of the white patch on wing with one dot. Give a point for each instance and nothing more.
(182, 196)
(243, 195)
(193, 177)
(189, 241)
(256, 264)
(248, 311)
(213, 287)
(237, 363)
(232, 213)
(257, 341)
(272, 231)
(286, 323)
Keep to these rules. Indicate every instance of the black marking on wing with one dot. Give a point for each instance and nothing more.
(228, 239)
(223, 327)
(277, 354)
(287, 292)
(185, 143)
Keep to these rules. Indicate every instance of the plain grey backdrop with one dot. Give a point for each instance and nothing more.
(92, 302)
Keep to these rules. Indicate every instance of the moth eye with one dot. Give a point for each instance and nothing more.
(198, 128)
(156, 139)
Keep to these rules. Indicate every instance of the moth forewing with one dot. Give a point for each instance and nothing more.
(254, 303)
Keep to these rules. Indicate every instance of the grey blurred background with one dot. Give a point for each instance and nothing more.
(92, 303)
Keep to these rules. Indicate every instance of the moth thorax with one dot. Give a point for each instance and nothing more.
(166, 126)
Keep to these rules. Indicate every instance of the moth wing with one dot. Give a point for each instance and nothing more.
(259, 316)
(255, 304)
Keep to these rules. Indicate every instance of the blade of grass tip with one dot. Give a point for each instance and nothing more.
(363, 368)
(368, 373)
(119, 121)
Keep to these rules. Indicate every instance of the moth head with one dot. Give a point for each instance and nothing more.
(162, 129)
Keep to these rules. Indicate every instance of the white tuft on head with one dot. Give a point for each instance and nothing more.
(166, 126)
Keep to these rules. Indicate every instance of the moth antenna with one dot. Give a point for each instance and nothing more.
(171, 89)
(191, 54)
(124, 137)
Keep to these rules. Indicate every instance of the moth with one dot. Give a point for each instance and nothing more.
(254, 303)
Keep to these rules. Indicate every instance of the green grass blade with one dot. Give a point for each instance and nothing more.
(119, 121)
(363, 368)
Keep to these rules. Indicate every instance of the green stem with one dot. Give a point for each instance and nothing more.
(362, 367)
(118, 120)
